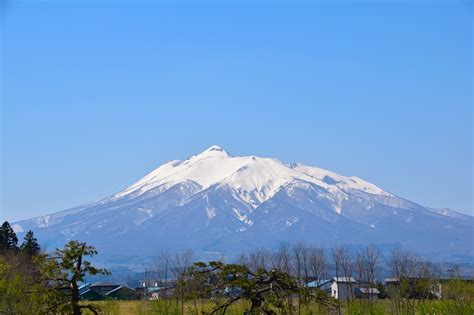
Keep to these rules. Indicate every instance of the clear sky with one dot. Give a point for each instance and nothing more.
(95, 94)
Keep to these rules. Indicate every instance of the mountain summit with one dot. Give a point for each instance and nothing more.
(253, 179)
(214, 202)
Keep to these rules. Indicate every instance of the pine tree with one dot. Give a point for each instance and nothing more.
(30, 245)
(8, 239)
(71, 261)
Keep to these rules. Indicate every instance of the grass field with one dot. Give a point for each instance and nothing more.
(355, 307)
(162, 307)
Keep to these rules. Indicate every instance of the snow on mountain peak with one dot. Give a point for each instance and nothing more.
(214, 148)
(254, 179)
(213, 151)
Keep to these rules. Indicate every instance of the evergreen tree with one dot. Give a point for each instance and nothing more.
(268, 291)
(30, 244)
(74, 267)
(8, 239)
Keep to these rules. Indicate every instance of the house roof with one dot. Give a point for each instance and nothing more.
(368, 290)
(391, 279)
(111, 291)
(105, 284)
(84, 286)
(344, 279)
(317, 283)
(414, 279)
(118, 288)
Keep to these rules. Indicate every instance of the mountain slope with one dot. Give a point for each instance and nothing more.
(214, 202)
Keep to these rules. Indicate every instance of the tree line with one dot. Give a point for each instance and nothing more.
(263, 281)
(9, 242)
(291, 267)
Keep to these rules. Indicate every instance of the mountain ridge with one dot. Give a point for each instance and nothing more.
(214, 201)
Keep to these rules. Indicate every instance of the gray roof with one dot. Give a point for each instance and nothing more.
(369, 290)
(84, 286)
(105, 284)
(391, 279)
(344, 279)
(118, 288)
(317, 283)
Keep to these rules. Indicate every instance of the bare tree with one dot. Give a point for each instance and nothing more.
(343, 262)
(368, 260)
(342, 259)
(181, 263)
(405, 269)
(258, 259)
(282, 261)
(403, 264)
(243, 260)
(318, 263)
(160, 271)
(300, 266)
(299, 255)
(282, 258)
(367, 264)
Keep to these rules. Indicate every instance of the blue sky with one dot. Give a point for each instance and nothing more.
(95, 95)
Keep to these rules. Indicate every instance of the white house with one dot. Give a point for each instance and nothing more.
(342, 287)
(337, 287)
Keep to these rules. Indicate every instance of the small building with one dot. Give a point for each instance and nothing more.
(103, 288)
(337, 287)
(90, 295)
(415, 288)
(150, 290)
(102, 291)
(366, 293)
(317, 283)
(149, 293)
(323, 285)
(342, 287)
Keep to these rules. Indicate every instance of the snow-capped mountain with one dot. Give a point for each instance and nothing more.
(214, 202)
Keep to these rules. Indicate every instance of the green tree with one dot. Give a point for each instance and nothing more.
(42, 283)
(70, 260)
(30, 245)
(22, 287)
(267, 291)
(8, 238)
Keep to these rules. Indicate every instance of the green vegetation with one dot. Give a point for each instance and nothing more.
(32, 282)
(444, 307)
(30, 245)
(268, 292)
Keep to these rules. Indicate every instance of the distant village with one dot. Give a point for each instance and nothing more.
(341, 288)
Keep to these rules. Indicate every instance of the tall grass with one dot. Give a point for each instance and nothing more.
(163, 307)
